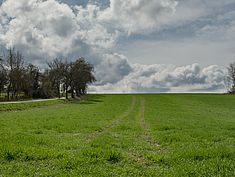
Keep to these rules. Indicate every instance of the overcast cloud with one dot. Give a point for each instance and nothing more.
(135, 45)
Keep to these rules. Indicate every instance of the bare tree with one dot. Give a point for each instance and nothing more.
(56, 74)
(3, 76)
(67, 77)
(31, 86)
(231, 78)
(46, 86)
(73, 76)
(17, 78)
(82, 75)
(15, 65)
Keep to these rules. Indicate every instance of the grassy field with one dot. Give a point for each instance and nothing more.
(121, 135)
(28, 105)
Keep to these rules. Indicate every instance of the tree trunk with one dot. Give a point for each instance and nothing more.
(8, 94)
(66, 91)
(77, 93)
(58, 90)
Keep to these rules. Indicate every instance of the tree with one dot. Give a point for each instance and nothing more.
(31, 86)
(73, 76)
(82, 75)
(17, 78)
(46, 86)
(67, 77)
(3, 76)
(56, 74)
(15, 65)
(231, 78)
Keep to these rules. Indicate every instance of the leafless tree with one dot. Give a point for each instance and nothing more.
(74, 76)
(31, 86)
(56, 74)
(3, 76)
(15, 66)
(231, 78)
(82, 75)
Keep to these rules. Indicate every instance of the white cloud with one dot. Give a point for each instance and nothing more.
(51, 28)
(138, 15)
(31, 28)
(168, 78)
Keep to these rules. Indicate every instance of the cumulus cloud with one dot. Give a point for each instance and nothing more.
(138, 15)
(52, 28)
(168, 78)
(113, 68)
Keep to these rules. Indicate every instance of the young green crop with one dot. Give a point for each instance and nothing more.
(28, 105)
(122, 135)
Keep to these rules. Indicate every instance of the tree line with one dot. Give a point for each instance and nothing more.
(20, 80)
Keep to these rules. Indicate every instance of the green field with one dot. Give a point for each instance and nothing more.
(121, 135)
(25, 105)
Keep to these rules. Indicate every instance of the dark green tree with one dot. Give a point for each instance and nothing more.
(82, 76)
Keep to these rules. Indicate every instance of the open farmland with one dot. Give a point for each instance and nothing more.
(121, 135)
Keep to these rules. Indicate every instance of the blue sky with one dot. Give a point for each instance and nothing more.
(135, 46)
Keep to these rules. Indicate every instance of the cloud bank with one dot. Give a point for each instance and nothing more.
(45, 29)
(168, 78)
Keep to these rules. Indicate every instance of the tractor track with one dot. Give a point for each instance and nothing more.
(114, 123)
(147, 135)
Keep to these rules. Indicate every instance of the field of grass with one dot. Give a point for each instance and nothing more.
(28, 105)
(122, 135)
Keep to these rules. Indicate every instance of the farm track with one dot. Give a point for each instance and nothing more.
(113, 123)
(138, 157)
(147, 135)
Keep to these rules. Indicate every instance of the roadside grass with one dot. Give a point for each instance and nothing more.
(29, 105)
(3, 95)
(122, 135)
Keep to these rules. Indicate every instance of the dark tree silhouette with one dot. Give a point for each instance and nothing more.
(82, 75)
(17, 78)
(15, 66)
(3, 76)
(56, 74)
(31, 86)
(231, 78)
(73, 77)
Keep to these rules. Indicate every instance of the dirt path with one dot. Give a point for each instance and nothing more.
(138, 157)
(145, 126)
(142, 111)
(113, 123)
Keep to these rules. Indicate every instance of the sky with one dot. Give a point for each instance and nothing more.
(134, 45)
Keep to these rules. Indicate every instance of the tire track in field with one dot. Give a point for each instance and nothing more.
(147, 136)
(138, 157)
(113, 123)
